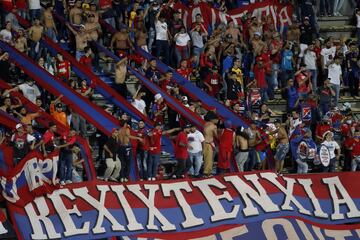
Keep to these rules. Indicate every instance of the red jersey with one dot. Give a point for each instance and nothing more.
(141, 133)
(184, 72)
(164, 84)
(21, 4)
(48, 137)
(214, 81)
(63, 69)
(321, 129)
(355, 145)
(275, 44)
(259, 74)
(302, 87)
(155, 141)
(86, 61)
(181, 152)
(105, 4)
(156, 109)
(226, 140)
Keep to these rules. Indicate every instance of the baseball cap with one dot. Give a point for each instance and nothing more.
(157, 96)
(257, 33)
(19, 125)
(59, 105)
(184, 98)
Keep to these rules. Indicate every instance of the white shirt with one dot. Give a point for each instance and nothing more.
(331, 145)
(195, 141)
(139, 105)
(29, 138)
(161, 30)
(30, 92)
(6, 35)
(310, 60)
(34, 4)
(326, 52)
(334, 73)
(182, 39)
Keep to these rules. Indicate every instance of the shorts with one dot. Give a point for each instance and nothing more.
(281, 151)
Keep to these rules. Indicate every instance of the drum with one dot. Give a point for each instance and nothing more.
(324, 155)
(303, 150)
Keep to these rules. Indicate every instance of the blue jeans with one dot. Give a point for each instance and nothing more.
(324, 107)
(331, 167)
(180, 54)
(337, 93)
(197, 52)
(264, 94)
(32, 52)
(314, 79)
(302, 166)
(252, 160)
(162, 46)
(153, 164)
(275, 68)
(142, 159)
(65, 165)
(152, 35)
(34, 13)
(196, 160)
(50, 32)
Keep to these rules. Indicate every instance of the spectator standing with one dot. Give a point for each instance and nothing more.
(66, 157)
(242, 145)
(34, 10)
(282, 148)
(259, 73)
(20, 42)
(48, 140)
(310, 60)
(197, 38)
(36, 32)
(113, 164)
(210, 133)
(195, 148)
(332, 147)
(327, 55)
(335, 76)
(63, 68)
(353, 69)
(162, 38)
(22, 143)
(226, 147)
(326, 94)
(155, 149)
(182, 45)
(142, 150)
(49, 24)
(29, 90)
(181, 153)
(287, 64)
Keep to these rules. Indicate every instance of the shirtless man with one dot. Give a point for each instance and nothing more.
(93, 28)
(141, 36)
(242, 143)
(121, 41)
(254, 139)
(120, 77)
(49, 24)
(7, 106)
(35, 33)
(282, 147)
(210, 132)
(81, 39)
(76, 13)
(124, 137)
(257, 43)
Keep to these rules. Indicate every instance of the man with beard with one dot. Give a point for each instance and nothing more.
(210, 133)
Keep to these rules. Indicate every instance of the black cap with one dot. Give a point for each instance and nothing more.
(59, 105)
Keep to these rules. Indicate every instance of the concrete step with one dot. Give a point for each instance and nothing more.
(334, 21)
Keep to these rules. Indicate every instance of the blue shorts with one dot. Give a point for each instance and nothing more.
(281, 151)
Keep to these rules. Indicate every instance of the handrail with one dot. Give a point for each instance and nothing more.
(46, 118)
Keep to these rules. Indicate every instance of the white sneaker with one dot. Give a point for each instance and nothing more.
(62, 183)
(68, 181)
(126, 180)
(113, 179)
(153, 179)
(149, 179)
(121, 179)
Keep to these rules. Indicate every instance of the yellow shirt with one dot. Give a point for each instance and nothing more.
(239, 77)
(131, 18)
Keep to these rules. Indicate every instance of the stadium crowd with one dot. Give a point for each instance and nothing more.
(246, 66)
